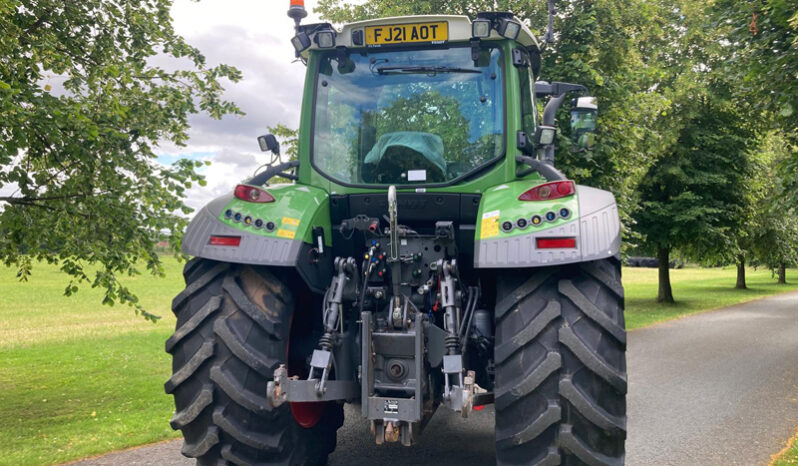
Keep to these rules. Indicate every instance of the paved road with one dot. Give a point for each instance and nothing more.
(719, 388)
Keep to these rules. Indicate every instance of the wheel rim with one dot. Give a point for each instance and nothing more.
(306, 414)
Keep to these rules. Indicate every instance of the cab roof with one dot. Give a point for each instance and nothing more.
(459, 29)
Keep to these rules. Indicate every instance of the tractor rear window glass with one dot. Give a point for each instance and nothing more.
(407, 116)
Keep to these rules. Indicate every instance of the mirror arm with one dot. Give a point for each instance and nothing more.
(549, 114)
(546, 171)
(550, 111)
(261, 178)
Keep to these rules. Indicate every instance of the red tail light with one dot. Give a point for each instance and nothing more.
(249, 193)
(549, 191)
(225, 241)
(556, 243)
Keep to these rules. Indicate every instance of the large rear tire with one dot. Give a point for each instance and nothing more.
(561, 366)
(233, 325)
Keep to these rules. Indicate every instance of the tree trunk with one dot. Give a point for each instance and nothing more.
(782, 274)
(741, 272)
(665, 291)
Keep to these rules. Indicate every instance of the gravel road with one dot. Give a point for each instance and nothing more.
(719, 388)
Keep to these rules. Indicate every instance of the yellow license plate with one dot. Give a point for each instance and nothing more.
(407, 33)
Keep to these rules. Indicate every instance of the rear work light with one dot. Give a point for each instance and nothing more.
(249, 193)
(556, 243)
(225, 241)
(549, 191)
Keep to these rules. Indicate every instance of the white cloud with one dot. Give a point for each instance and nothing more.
(254, 36)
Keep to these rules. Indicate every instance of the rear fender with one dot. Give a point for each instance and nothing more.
(285, 238)
(592, 221)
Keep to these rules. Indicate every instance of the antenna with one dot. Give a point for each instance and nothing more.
(550, 32)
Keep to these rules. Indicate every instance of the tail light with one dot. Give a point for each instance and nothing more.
(549, 191)
(249, 193)
(556, 243)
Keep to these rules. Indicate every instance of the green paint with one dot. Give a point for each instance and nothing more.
(500, 204)
(296, 210)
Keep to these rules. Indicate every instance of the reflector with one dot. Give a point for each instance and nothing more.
(556, 243)
(233, 241)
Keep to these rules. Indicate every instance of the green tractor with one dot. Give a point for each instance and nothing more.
(427, 253)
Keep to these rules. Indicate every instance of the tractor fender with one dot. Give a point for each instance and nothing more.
(294, 231)
(592, 221)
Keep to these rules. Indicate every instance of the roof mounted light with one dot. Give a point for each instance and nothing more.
(481, 28)
(325, 39)
(301, 42)
(508, 28)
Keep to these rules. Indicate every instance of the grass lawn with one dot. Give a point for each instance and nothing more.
(788, 456)
(79, 379)
(695, 290)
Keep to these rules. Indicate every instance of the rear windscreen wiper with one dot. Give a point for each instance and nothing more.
(405, 69)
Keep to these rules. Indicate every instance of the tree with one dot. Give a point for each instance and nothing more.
(762, 38)
(83, 108)
(693, 198)
(775, 239)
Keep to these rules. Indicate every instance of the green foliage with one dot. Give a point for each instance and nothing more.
(289, 146)
(83, 109)
(694, 197)
(763, 53)
(774, 240)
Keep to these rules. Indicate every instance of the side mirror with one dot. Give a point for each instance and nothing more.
(268, 143)
(583, 122)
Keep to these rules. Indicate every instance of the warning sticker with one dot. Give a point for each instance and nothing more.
(286, 233)
(290, 221)
(490, 224)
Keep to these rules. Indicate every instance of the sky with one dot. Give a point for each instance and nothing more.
(254, 36)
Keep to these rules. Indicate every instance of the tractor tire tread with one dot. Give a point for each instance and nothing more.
(204, 353)
(243, 303)
(567, 288)
(258, 362)
(194, 322)
(529, 333)
(208, 441)
(187, 415)
(239, 394)
(197, 285)
(591, 360)
(586, 455)
(262, 442)
(506, 397)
